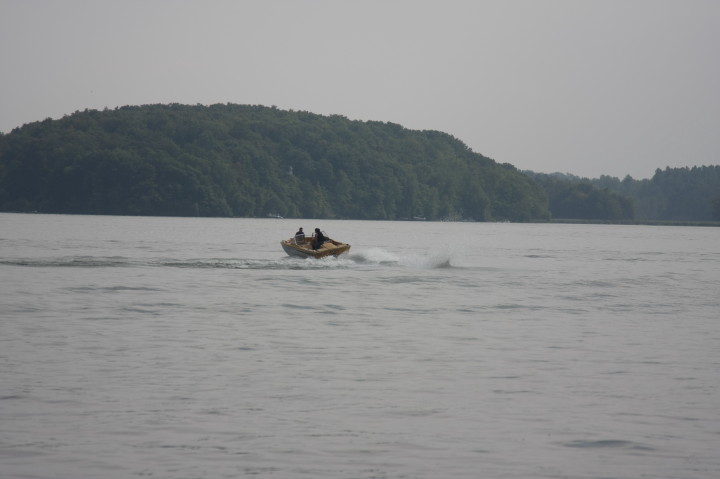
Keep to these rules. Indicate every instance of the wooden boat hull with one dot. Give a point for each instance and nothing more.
(329, 248)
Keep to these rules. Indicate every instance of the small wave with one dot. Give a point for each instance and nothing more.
(12, 396)
(111, 289)
(608, 443)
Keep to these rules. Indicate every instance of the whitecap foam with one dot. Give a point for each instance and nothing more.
(383, 257)
(438, 260)
(375, 255)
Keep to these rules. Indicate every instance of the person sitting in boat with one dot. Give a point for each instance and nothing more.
(300, 237)
(318, 239)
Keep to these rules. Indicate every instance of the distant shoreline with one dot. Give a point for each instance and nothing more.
(552, 221)
(636, 222)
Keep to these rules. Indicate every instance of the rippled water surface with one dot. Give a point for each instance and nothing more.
(195, 348)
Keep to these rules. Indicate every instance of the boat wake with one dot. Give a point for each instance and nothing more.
(375, 257)
(379, 256)
(282, 263)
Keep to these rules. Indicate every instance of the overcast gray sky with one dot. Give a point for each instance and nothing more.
(588, 87)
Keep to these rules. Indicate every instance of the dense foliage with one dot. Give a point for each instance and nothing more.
(239, 160)
(672, 194)
(582, 200)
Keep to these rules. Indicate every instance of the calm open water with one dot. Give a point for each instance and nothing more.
(195, 348)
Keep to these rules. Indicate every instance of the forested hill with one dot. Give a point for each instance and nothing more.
(672, 194)
(239, 160)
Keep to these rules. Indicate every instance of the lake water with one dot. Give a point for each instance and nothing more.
(195, 348)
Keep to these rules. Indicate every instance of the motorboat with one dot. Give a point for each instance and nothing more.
(301, 247)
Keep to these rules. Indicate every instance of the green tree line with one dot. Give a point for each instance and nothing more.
(244, 160)
(582, 200)
(672, 194)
